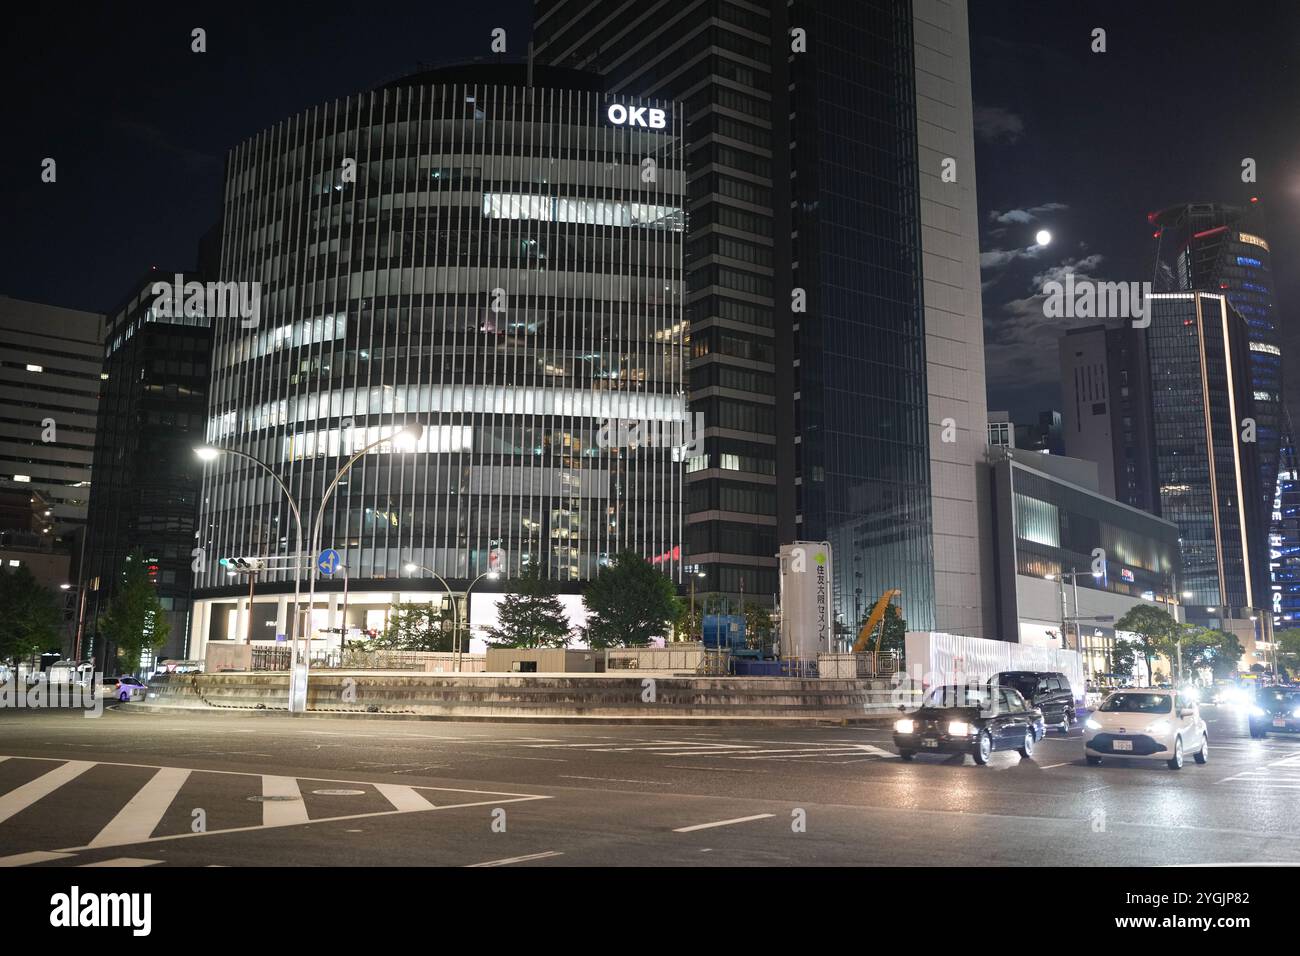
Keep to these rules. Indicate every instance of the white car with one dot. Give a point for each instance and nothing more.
(1146, 723)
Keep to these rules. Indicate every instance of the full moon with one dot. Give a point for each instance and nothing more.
(1043, 237)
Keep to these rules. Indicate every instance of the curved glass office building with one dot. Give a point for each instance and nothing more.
(492, 253)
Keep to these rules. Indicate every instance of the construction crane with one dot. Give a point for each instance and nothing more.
(876, 619)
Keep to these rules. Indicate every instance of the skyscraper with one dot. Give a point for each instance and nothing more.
(1200, 392)
(1218, 247)
(836, 331)
(152, 412)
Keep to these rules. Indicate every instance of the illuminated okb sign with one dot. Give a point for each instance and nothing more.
(621, 115)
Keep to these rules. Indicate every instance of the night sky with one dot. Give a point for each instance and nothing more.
(1082, 144)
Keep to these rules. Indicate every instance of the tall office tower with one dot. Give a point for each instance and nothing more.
(1217, 247)
(152, 411)
(50, 361)
(1106, 395)
(717, 59)
(1200, 387)
(834, 282)
(493, 253)
(1284, 537)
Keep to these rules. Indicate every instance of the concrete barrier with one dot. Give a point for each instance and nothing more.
(538, 696)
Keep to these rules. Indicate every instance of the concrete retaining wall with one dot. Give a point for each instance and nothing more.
(488, 695)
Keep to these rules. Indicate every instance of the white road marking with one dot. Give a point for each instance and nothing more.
(123, 861)
(136, 821)
(277, 813)
(1052, 766)
(723, 823)
(19, 799)
(657, 783)
(403, 798)
(518, 859)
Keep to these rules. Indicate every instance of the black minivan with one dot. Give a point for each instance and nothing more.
(1049, 691)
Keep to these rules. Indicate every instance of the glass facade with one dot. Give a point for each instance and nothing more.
(862, 459)
(1284, 539)
(1058, 527)
(1200, 393)
(717, 58)
(499, 263)
(153, 406)
(1216, 247)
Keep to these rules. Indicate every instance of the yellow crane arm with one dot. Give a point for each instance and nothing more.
(877, 616)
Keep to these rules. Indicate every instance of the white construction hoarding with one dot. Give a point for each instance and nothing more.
(934, 658)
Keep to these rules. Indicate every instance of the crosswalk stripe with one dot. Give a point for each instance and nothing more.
(122, 861)
(136, 821)
(518, 859)
(23, 797)
(277, 813)
(403, 798)
(35, 856)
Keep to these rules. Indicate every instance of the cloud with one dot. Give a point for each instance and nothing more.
(1021, 344)
(1025, 215)
(994, 123)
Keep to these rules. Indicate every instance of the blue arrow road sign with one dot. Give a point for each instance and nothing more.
(329, 561)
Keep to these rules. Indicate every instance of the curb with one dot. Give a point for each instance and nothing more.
(666, 720)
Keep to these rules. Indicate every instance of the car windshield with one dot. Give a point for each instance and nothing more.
(1025, 683)
(1278, 698)
(1131, 703)
(951, 695)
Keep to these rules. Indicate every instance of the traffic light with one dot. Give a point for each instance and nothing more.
(244, 565)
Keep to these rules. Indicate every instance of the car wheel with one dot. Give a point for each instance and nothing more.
(124, 697)
(907, 754)
(1027, 750)
(983, 748)
(1203, 755)
(1094, 761)
(1176, 761)
(1258, 734)
(1065, 720)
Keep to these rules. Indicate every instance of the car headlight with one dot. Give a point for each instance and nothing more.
(904, 726)
(1092, 724)
(958, 728)
(1257, 711)
(1159, 727)
(1296, 713)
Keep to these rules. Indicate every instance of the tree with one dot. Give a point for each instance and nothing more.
(135, 621)
(30, 618)
(1154, 630)
(688, 625)
(629, 603)
(1124, 657)
(532, 616)
(1217, 650)
(894, 636)
(758, 626)
(417, 627)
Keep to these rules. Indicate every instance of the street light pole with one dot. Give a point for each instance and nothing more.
(413, 431)
(209, 453)
(490, 575)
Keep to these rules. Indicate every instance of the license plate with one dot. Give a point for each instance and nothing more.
(1122, 744)
(1279, 721)
(929, 743)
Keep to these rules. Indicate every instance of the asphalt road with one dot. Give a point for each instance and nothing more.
(137, 789)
